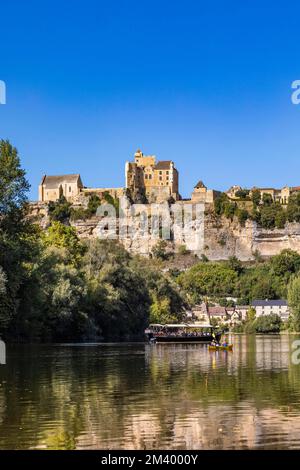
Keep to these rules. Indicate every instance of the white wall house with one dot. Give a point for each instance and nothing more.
(269, 307)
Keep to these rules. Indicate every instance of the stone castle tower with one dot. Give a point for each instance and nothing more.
(157, 180)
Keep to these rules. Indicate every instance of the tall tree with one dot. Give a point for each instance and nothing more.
(294, 301)
(15, 236)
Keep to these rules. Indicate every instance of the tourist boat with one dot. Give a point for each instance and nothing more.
(182, 333)
(220, 347)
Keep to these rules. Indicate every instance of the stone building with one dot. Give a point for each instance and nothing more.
(158, 180)
(231, 193)
(53, 187)
(278, 195)
(202, 194)
(269, 307)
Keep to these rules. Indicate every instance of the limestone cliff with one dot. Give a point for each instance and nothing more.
(221, 238)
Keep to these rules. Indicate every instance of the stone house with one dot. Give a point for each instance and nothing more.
(218, 312)
(52, 188)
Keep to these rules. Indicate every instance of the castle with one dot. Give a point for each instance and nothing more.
(156, 181)
(148, 181)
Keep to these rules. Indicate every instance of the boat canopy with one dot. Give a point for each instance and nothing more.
(182, 325)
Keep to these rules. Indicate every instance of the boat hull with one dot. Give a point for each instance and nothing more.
(221, 348)
(183, 339)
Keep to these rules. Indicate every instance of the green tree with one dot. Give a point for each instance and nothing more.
(63, 236)
(93, 204)
(286, 263)
(212, 279)
(160, 311)
(242, 215)
(294, 301)
(256, 197)
(159, 251)
(60, 210)
(267, 199)
(268, 324)
(17, 243)
(251, 314)
(242, 194)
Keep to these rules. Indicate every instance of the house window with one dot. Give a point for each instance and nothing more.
(160, 178)
(160, 172)
(150, 177)
(146, 177)
(70, 189)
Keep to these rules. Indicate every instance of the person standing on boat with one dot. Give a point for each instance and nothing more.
(214, 342)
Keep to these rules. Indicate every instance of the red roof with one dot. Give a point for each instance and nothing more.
(217, 311)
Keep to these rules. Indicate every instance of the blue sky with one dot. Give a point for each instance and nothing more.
(206, 84)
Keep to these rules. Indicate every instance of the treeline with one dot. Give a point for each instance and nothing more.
(265, 211)
(53, 287)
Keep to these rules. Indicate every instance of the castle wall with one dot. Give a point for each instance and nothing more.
(114, 192)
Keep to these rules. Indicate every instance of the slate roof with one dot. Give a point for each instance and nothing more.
(269, 303)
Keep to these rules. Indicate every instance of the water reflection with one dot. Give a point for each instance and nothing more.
(137, 396)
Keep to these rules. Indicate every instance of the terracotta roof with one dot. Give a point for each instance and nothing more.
(163, 165)
(296, 188)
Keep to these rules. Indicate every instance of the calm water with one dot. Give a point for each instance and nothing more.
(136, 396)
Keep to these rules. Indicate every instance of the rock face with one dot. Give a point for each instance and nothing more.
(222, 239)
(226, 238)
(202, 234)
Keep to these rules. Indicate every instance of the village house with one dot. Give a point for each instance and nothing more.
(269, 307)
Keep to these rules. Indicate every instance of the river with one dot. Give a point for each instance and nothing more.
(140, 396)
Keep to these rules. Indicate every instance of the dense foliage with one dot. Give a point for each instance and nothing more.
(267, 213)
(264, 324)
